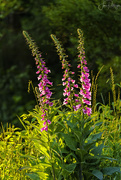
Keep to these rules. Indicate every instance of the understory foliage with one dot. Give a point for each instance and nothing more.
(69, 139)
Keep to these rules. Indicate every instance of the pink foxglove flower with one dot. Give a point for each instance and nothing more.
(69, 83)
(86, 85)
(84, 77)
(45, 93)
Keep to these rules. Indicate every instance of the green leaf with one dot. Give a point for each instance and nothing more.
(33, 119)
(58, 127)
(110, 170)
(88, 119)
(64, 151)
(94, 137)
(98, 124)
(89, 145)
(70, 167)
(87, 131)
(97, 150)
(25, 167)
(69, 156)
(41, 146)
(70, 124)
(109, 158)
(92, 160)
(118, 85)
(70, 142)
(60, 124)
(27, 156)
(98, 174)
(33, 176)
(67, 170)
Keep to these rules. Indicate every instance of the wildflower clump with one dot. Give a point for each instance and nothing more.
(44, 94)
(71, 145)
(75, 97)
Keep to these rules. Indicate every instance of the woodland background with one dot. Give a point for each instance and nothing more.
(40, 18)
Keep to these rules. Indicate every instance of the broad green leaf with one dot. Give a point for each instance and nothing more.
(111, 170)
(60, 124)
(98, 174)
(88, 119)
(97, 150)
(81, 152)
(109, 158)
(70, 124)
(33, 176)
(78, 134)
(88, 145)
(92, 160)
(87, 131)
(64, 151)
(94, 137)
(70, 155)
(70, 167)
(70, 142)
(58, 127)
(98, 124)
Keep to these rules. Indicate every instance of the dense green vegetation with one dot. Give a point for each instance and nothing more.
(23, 153)
(102, 34)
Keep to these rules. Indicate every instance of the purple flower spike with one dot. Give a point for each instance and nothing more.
(86, 85)
(69, 83)
(44, 90)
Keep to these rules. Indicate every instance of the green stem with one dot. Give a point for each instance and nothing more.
(53, 172)
(80, 173)
(81, 124)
